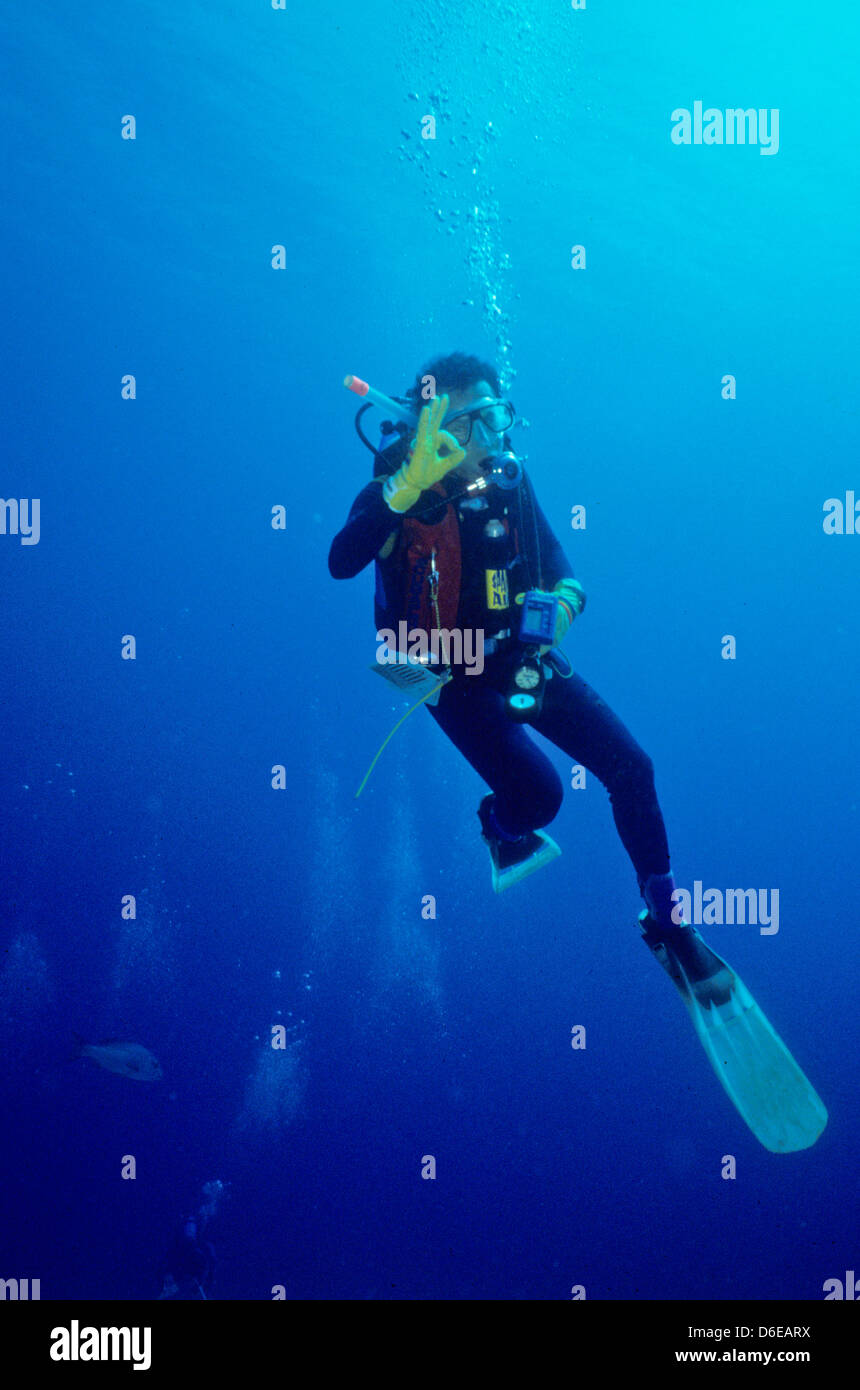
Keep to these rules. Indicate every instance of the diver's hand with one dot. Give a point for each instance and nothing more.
(571, 596)
(434, 453)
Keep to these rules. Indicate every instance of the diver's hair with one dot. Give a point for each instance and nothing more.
(454, 372)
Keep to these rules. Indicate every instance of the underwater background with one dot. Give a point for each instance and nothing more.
(304, 127)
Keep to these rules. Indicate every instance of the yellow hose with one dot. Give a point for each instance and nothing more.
(391, 735)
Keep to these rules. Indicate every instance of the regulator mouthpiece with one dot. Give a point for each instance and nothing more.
(505, 470)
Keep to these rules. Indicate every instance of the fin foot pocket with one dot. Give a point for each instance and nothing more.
(689, 960)
(513, 860)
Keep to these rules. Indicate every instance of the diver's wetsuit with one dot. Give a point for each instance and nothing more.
(471, 708)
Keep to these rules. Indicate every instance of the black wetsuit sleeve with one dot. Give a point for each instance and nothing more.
(554, 562)
(368, 526)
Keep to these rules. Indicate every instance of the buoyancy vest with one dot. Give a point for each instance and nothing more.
(429, 555)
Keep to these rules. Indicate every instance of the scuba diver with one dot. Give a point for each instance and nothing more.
(188, 1271)
(460, 544)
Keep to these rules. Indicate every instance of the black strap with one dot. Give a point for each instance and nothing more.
(527, 503)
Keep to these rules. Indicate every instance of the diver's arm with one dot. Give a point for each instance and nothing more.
(370, 525)
(558, 573)
(377, 512)
(554, 563)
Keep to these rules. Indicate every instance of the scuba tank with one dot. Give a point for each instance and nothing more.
(497, 555)
(525, 693)
(524, 698)
(505, 472)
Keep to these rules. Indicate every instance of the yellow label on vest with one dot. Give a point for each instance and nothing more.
(497, 589)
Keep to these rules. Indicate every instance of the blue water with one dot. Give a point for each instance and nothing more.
(256, 907)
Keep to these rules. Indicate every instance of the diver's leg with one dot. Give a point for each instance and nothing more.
(528, 790)
(581, 724)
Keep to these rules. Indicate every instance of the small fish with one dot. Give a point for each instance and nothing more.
(125, 1058)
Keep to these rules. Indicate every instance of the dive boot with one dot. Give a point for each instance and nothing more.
(513, 857)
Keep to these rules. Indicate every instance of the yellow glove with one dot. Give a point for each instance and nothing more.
(571, 597)
(426, 464)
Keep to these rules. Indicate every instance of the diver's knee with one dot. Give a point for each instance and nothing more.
(550, 799)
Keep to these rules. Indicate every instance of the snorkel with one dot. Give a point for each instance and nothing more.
(399, 410)
(402, 417)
